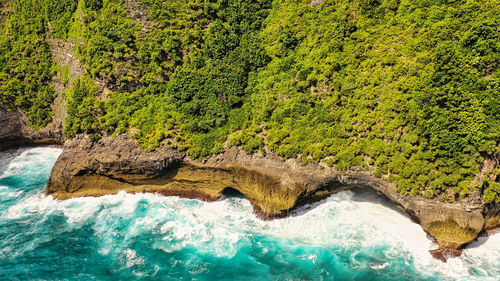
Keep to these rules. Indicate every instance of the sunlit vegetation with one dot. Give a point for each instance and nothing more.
(26, 66)
(410, 89)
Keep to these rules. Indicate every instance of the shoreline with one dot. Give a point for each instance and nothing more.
(87, 171)
(275, 187)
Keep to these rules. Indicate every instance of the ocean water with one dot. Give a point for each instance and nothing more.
(349, 236)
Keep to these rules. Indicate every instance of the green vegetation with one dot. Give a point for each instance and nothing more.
(190, 70)
(83, 108)
(408, 88)
(26, 66)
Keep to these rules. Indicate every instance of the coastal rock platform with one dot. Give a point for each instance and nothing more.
(273, 186)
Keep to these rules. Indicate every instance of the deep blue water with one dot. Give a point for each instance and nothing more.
(349, 236)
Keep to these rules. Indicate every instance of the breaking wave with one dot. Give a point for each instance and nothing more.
(352, 235)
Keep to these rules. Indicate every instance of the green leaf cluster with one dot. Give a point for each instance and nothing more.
(407, 88)
(83, 108)
(26, 65)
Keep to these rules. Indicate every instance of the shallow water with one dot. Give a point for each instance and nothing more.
(349, 236)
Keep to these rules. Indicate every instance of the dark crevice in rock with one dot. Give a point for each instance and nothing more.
(321, 193)
(232, 192)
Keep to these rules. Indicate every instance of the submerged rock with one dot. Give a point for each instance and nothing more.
(274, 187)
(444, 254)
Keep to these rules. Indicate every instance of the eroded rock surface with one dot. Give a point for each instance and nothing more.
(15, 131)
(274, 187)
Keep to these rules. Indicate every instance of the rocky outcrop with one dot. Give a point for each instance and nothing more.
(15, 131)
(491, 214)
(274, 187)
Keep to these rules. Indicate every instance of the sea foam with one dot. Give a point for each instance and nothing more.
(351, 230)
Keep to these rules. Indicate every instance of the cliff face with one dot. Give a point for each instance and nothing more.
(491, 214)
(274, 187)
(15, 131)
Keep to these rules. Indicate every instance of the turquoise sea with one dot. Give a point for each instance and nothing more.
(349, 236)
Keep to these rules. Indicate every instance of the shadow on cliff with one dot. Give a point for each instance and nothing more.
(230, 192)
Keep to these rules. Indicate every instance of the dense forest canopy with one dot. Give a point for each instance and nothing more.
(410, 88)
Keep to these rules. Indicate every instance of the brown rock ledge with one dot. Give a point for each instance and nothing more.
(274, 187)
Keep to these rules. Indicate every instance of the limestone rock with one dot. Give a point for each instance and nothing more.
(118, 159)
(273, 186)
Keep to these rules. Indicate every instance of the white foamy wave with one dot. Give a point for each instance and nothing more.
(344, 221)
(221, 227)
(25, 160)
(483, 257)
(131, 258)
(35, 204)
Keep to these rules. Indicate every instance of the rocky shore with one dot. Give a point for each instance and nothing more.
(15, 131)
(273, 186)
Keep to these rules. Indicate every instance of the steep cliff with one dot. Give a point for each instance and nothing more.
(274, 187)
(15, 130)
(345, 84)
